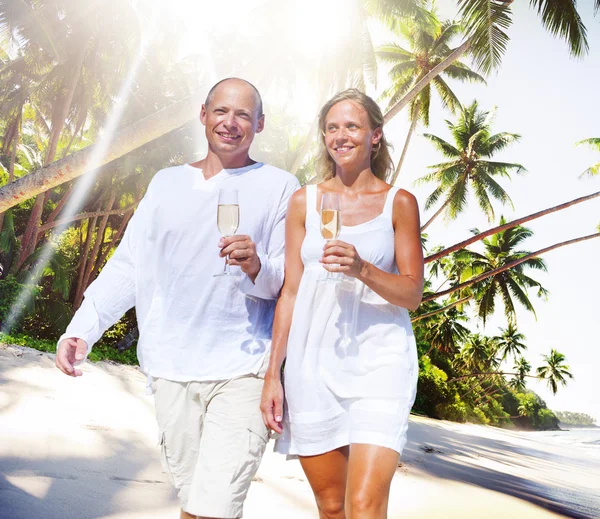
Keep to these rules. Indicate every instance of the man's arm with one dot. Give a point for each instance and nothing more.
(269, 279)
(106, 299)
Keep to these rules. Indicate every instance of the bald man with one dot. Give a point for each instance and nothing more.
(204, 337)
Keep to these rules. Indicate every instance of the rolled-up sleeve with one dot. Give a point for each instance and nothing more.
(113, 292)
(269, 280)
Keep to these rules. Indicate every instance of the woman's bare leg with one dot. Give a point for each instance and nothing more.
(326, 474)
(370, 472)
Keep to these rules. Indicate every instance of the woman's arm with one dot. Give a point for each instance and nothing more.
(272, 398)
(404, 289)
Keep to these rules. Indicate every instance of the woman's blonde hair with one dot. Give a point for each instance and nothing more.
(381, 160)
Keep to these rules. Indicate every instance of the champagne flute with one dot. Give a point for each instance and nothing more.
(228, 219)
(331, 222)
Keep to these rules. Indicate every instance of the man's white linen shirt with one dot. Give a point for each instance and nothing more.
(194, 326)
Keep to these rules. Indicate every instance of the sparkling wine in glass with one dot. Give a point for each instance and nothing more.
(331, 221)
(228, 218)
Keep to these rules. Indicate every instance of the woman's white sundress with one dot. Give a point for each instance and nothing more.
(351, 368)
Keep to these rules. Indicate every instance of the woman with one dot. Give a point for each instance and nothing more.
(351, 366)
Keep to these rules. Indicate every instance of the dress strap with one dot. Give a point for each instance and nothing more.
(389, 201)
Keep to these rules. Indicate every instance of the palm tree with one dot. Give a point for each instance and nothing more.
(510, 342)
(445, 332)
(485, 25)
(555, 371)
(502, 249)
(428, 46)
(593, 143)
(522, 369)
(469, 166)
(507, 266)
(479, 353)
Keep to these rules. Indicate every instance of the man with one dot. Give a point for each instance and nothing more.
(204, 339)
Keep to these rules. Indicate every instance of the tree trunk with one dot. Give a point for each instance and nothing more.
(59, 207)
(508, 225)
(59, 119)
(435, 71)
(13, 160)
(123, 142)
(83, 264)
(471, 375)
(508, 266)
(413, 125)
(97, 245)
(437, 213)
(440, 310)
(114, 242)
(82, 216)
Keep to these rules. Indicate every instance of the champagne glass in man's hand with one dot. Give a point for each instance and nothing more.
(228, 219)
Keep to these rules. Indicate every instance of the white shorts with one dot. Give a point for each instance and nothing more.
(212, 439)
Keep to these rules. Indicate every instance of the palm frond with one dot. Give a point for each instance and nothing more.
(448, 98)
(445, 147)
(486, 23)
(561, 18)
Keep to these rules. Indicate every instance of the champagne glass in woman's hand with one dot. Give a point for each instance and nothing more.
(228, 219)
(331, 222)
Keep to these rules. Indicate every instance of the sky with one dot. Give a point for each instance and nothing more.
(551, 100)
(541, 93)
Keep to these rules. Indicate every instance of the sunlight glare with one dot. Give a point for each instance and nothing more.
(86, 182)
(321, 27)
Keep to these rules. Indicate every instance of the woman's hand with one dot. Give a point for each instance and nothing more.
(339, 256)
(271, 404)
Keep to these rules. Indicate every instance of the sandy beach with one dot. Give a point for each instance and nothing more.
(87, 448)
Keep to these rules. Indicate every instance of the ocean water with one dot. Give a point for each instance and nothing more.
(588, 438)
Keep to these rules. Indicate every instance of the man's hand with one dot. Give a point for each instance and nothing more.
(242, 252)
(70, 351)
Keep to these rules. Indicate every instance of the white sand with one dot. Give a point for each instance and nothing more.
(86, 448)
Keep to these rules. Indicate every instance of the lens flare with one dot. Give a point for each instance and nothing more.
(86, 181)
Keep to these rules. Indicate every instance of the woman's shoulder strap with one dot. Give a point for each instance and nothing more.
(389, 201)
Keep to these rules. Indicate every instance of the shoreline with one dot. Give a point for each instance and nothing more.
(86, 448)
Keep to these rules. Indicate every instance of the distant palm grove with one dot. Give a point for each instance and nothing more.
(62, 67)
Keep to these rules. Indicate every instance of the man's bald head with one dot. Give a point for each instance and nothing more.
(259, 103)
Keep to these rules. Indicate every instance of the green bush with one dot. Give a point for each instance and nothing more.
(432, 389)
(479, 416)
(457, 411)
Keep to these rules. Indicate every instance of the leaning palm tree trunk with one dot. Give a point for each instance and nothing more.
(435, 71)
(437, 213)
(123, 142)
(508, 225)
(486, 374)
(508, 266)
(413, 125)
(443, 309)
